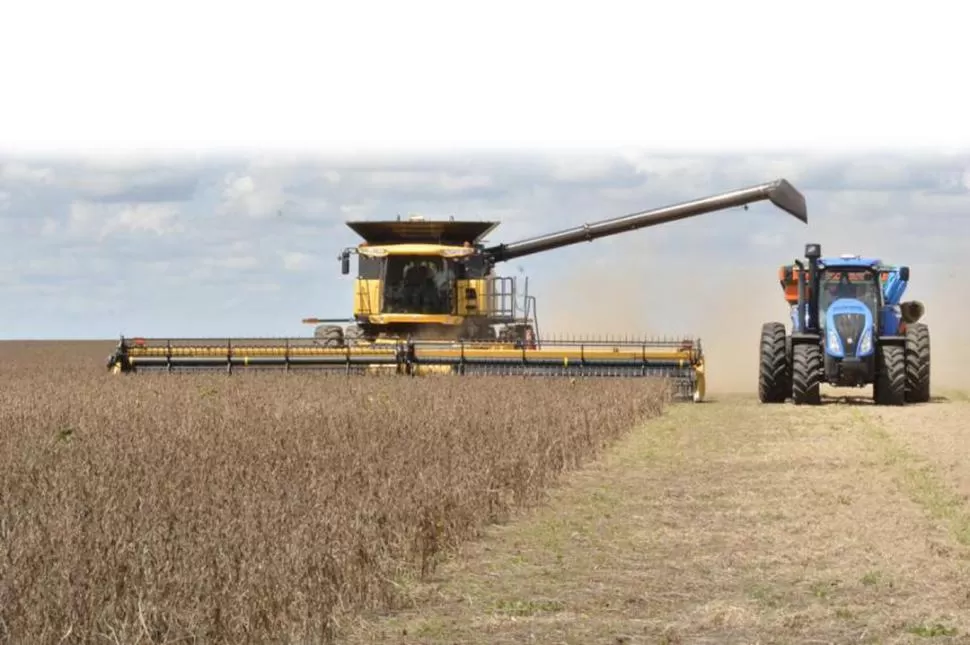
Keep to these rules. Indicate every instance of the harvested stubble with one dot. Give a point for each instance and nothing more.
(262, 508)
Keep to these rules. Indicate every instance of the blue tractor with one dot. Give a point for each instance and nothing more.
(849, 329)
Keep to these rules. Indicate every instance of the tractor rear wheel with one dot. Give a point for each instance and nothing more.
(774, 379)
(890, 385)
(806, 374)
(917, 363)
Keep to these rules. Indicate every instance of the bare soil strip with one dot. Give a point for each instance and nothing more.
(728, 522)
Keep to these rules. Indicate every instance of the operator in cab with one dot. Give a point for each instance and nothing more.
(835, 290)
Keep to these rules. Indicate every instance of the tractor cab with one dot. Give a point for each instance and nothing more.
(849, 302)
(852, 286)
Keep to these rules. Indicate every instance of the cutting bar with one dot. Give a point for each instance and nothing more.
(679, 361)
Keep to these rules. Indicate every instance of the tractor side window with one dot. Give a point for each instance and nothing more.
(828, 293)
(868, 293)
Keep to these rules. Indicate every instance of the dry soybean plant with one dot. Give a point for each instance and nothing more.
(261, 507)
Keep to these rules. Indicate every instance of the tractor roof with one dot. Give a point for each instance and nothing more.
(451, 233)
(854, 262)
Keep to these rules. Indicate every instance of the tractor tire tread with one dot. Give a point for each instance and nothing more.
(917, 363)
(774, 380)
(890, 386)
(806, 374)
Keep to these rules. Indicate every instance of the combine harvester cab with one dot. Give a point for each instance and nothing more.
(849, 329)
(427, 300)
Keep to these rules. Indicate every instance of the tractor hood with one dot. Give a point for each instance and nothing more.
(847, 306)
(848, 328)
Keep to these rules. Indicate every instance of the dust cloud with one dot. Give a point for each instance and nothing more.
(725, 305)
(593, 302)
(739, 302)
(638, 295)
(944, 293)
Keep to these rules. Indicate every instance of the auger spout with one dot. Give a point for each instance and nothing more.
(780, 192)
(912, 311)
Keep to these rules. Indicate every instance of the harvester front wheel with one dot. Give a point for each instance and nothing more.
(329, 335)
(890, 385)
(774, 379)
(806, 374)
(917, 363)
(352, 335)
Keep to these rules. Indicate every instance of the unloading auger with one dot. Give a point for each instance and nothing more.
(427, 300)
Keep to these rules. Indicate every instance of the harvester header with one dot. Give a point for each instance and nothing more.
(426, 298)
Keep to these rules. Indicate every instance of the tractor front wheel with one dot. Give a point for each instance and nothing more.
(774, 379)
(806, 374)
(890, 385)
(917, 363)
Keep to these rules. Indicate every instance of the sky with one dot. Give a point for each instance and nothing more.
(247, 246)
(302, 118)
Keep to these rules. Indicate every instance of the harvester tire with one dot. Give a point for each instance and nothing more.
(774, 379)
(329, 335)
(890, 385)
(917, 363)
(352, 335)
(806, 374)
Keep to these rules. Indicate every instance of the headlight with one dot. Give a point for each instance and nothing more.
(833, 342)
(865, 343)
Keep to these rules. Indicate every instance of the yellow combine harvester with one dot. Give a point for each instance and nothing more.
(426, 300)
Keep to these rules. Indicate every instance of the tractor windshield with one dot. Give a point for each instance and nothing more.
(862, 285)
(419, 285)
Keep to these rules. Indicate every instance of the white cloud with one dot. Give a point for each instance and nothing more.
(60, 265)
(663, 165)
(457, 183)
(585, 167)
(160, 219)
(85, 217)
(193, 259)
(296, 261)
(434, 182)
(233, 262)
(15, 172)
(252, 196)
(359, 210)
(98, 221)
(101, 183)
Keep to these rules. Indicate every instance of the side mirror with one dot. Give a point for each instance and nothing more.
(813, 251)
(345, 263)
(904, 274)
